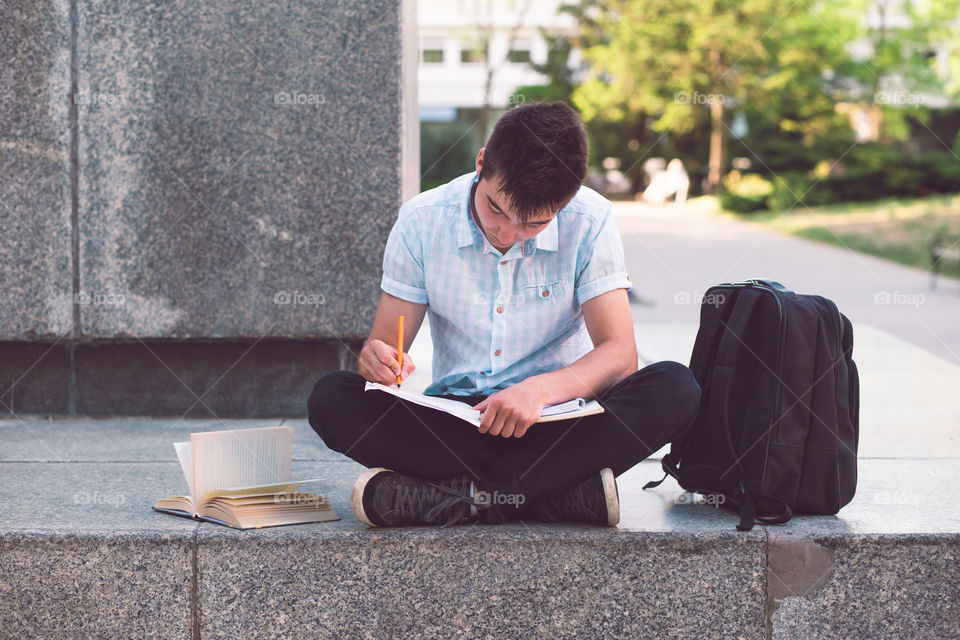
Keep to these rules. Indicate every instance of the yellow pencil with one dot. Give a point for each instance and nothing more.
(400, 350)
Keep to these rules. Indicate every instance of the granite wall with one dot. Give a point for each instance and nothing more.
(194, 198)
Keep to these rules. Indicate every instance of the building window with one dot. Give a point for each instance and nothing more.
(431, 51)
(519, 52)
(473, 53)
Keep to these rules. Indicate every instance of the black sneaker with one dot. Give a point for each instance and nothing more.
(385, 498)
(595, 500)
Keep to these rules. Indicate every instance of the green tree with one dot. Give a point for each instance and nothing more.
(561, 77)
(689, 62)
(627, 139)
(897, 61)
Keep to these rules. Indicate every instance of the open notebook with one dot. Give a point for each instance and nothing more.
(576, 408)
(241, 478)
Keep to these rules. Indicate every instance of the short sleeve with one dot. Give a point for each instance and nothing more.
(600, 263)
(403, 261)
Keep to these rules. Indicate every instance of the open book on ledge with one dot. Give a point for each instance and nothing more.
(240, 478)
(576, 408)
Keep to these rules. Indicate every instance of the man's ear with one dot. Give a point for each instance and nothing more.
(480, 160)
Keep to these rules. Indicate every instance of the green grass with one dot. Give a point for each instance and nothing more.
(897, 229)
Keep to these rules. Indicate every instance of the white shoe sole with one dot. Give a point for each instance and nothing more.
(610, 493)
(356, 497)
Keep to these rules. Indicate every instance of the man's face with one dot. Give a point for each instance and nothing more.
(498, 222)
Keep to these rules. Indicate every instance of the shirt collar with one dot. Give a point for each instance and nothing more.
(469, 233)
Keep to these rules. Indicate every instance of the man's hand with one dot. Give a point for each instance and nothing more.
(378, 363)
(512, 411)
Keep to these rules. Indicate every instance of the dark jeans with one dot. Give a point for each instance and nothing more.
(646, 410)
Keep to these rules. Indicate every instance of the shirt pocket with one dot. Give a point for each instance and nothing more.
(549, 306)
(546, 291)
(553, 295)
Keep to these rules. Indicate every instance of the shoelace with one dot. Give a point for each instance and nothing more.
(410, 500)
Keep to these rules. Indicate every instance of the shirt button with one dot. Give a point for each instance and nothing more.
(545, 293)
(499, 309)
(497, 352)
(503, 262)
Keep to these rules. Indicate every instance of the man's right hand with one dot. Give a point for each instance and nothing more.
(378, 363)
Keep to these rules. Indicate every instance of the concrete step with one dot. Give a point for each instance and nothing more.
(82, 555)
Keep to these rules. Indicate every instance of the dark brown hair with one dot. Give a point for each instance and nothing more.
(539, 152)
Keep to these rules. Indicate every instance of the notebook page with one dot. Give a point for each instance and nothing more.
(563, 407)
(457, 408)
(241, 457)
(462, 409)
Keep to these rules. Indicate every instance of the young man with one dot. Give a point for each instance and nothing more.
(521, 269)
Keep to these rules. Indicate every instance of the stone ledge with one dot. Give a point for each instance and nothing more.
(84, 555)
(62, 584)
(507, 581)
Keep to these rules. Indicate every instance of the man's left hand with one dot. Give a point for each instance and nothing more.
(513, 410)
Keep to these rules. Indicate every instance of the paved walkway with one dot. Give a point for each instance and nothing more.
(674, 255)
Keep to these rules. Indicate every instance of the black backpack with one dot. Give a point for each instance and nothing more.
(778, 424)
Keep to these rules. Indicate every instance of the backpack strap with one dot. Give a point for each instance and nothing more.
(725, 363)
(748, 512)
(655, 483)
(671, 463)
(728, 354)
(724, 349)
(669, 469)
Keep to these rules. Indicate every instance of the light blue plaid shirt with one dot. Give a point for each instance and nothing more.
(495, 318)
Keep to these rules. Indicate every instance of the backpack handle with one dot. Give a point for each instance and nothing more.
(772, 284)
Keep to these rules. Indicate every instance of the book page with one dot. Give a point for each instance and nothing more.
(254, 490)
(241, 457)
(186, 463)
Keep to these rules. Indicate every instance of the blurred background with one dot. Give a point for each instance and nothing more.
(764, 107)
